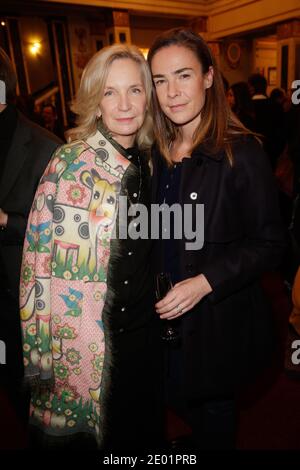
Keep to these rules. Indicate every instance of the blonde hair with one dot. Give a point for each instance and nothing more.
(90, 93)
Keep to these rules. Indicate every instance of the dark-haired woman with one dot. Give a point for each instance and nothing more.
(239, 99)
(204, 155)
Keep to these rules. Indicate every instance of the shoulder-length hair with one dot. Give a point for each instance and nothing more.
(90, 93)
(218, 125)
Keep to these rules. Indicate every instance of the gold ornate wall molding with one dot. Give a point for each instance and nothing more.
(227, 17)
(290, 29)
(190, 8)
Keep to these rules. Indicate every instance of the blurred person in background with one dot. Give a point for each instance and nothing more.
(268, 118)
(278, 96)
(239, 99)
(50, 120)
(25, 150)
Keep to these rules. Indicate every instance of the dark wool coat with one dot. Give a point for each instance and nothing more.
(28, 154)
(228, 335)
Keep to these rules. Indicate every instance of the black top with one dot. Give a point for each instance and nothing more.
(129, 276)
(168, 193)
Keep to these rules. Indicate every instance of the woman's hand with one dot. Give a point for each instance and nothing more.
(183, 297)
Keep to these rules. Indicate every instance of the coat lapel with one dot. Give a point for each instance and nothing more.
(193, 177)
(16, 156)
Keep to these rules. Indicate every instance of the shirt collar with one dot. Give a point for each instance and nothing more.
(259, 97)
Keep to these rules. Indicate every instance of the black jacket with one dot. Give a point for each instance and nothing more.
(228, 334)
(25, 162)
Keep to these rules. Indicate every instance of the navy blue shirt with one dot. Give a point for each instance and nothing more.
(168, 193)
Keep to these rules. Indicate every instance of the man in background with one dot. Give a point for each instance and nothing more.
(50, 120)
(25, 149)
(268, 118)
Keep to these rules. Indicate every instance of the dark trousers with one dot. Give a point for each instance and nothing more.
(38, 440)
(135, 409)
(11, 373)
(211, 418)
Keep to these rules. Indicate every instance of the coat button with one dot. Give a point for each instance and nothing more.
(123, 309)
(189, 267)
(126, 282)
(121, 330)
(193, 196)
(130, 253)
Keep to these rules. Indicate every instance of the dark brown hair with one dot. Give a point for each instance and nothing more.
(218, 125)
(8, 76)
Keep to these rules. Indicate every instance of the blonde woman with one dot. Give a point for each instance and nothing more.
(89, 332)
